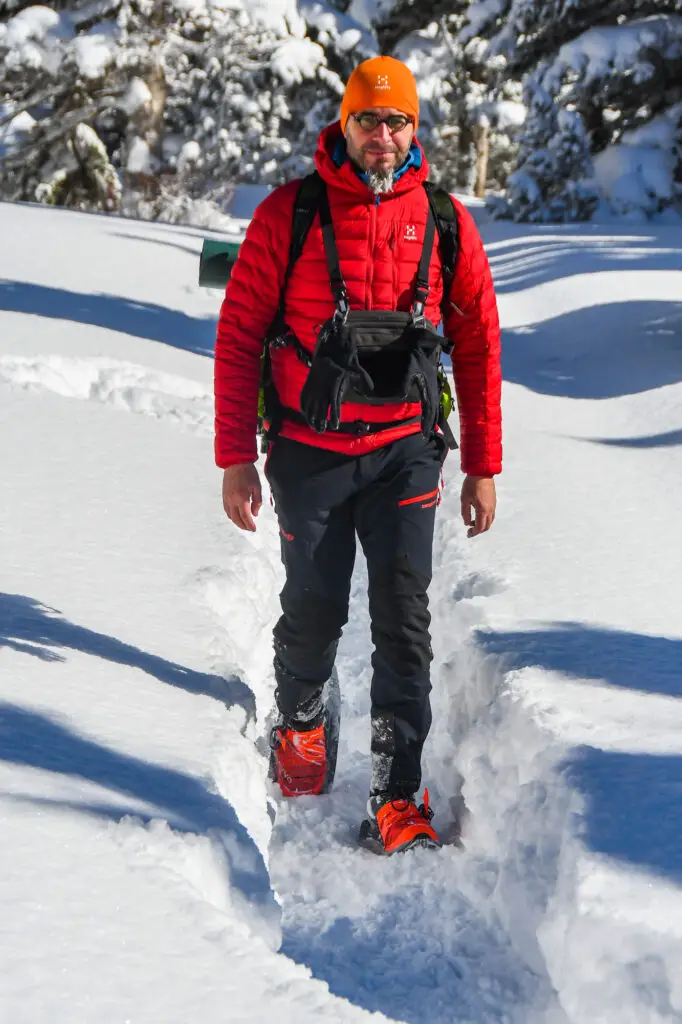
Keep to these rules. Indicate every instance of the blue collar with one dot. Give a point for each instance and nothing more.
(414, 159)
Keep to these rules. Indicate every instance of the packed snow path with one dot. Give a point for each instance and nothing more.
(144, 878)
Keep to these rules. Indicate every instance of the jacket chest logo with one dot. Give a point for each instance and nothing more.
(410, 233)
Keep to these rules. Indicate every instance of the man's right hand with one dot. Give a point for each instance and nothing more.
(242, 495)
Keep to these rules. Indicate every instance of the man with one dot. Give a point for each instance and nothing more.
(350, 459)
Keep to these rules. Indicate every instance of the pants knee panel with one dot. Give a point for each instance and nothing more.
(307, 614)
(399, 610)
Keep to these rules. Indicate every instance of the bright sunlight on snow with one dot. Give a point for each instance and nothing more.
(148, 872)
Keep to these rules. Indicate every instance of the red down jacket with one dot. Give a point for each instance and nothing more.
(379, 243)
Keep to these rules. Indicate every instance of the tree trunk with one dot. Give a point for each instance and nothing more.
(482, 136)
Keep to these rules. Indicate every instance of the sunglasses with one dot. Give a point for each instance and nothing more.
(394, 122)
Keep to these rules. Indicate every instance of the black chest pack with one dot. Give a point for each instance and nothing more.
(368, 357)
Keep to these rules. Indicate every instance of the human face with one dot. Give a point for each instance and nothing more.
(378, 150)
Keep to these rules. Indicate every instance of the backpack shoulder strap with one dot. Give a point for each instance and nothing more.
(421, 291)
(306, 205)
(331, 252)
(445, 215)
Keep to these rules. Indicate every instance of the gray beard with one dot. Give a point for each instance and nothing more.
(380, 181)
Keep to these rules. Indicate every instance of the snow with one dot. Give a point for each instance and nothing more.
(281, 16)
(423, 53)
(33, 23)
(34, 39)
(139, 157)
(479, 15)
(148, 872)
(660, 131)
(638, 172)
(508, 114)
(137, 96)
(14, 131)
(191, 7)
(296, 60)
(599, 52)
(189, 154)
(93, 52)
(349, 39)
(634, 178)
(367, 13)
(344, 29)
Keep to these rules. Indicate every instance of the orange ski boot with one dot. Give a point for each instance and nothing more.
(299, 760)
(303, 756)
(397, 824)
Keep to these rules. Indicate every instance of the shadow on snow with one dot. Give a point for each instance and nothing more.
(601, 351)
(166, 243)
(558, 251)
(573, 355)
(32, 628)
(140, 319)
(634, 806)
(399, 961)
(39, 741)
(650, 664)
(669, 439)
(633, 800)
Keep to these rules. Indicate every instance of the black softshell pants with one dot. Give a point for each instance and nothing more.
(388, 499)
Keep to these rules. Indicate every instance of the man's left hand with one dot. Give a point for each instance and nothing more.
(479, 497)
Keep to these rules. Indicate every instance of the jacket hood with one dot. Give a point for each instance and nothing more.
(345, 175)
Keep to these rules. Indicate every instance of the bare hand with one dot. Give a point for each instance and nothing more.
(242, 495)
(478, 494)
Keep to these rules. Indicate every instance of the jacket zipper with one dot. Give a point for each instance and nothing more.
(372, 241)
(392, 243)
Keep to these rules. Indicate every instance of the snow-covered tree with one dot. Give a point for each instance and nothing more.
(90, 183)
(469, 117)
(474, 117)
(186, 97)
(550, 182)
(603, 85)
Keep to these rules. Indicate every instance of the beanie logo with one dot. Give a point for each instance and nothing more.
(410, 233)
(382, 82)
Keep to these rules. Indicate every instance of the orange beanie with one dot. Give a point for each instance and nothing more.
(380, 82)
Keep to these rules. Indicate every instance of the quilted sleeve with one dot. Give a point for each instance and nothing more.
(248, 309)
(472, 324)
